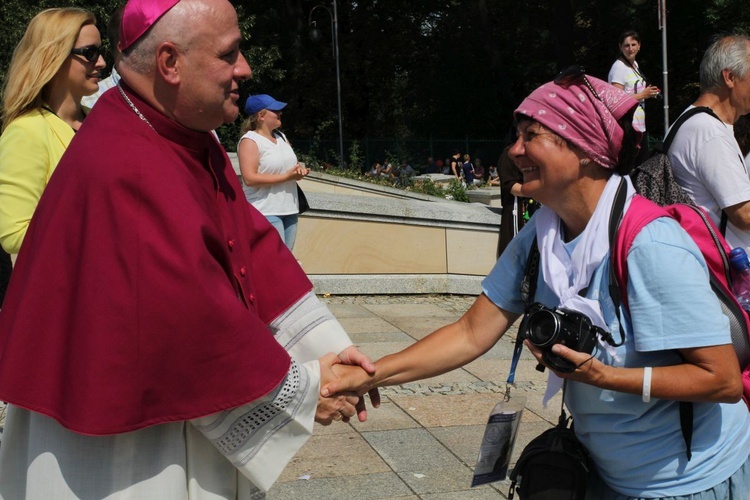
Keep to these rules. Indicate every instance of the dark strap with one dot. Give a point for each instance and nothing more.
(686, 424)
(615, 217)
(528, 292)
(529, 282)
(673, 133)
(682, 119)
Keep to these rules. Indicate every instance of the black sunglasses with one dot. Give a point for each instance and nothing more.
(91, 52)
(570, 75)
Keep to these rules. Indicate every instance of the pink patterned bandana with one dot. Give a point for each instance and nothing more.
(139, 16)
(580, 118)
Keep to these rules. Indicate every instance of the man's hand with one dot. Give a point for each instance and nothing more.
(353, 356)
(341, 406)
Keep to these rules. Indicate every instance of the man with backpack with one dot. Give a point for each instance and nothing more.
(705, 157)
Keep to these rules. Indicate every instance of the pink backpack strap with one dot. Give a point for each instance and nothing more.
(639, 214)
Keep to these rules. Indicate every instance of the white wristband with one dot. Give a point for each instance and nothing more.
(646, 384)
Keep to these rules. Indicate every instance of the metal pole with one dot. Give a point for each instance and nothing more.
(665, 71)
(338, 83)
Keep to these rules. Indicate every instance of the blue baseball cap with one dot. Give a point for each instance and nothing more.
(262, 101)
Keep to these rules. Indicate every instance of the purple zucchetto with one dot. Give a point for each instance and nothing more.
(576, 115)
(138, 16)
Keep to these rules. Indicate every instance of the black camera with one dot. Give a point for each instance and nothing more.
(545, 327)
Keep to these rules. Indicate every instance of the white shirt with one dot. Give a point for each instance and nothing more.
(632, 82)
(278, 158)
(708, 164)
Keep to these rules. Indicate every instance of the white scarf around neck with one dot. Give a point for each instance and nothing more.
(566, 275)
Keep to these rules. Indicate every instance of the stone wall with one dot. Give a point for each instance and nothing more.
(361, 238)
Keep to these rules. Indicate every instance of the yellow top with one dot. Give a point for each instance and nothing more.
(30, 149)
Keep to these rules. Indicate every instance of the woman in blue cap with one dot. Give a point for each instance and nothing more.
(269, 166)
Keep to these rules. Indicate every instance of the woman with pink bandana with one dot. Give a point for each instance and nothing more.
(575, 144)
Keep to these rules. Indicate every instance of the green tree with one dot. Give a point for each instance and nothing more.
(437, 68)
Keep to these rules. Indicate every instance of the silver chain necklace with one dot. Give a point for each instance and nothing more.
(132, 106)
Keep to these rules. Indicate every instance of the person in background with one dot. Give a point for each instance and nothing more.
(512, 199)
(439, 166)
(494, 177)
(447, 166)
(113, 36)
(478, 172)
(269, 167)
(56, 63)
(374, 169)
(388, 171)
(159, 339)
(432, 166)
(467, 170)
(625, 74)
(705, 156)
(455, 164)
(669, 348)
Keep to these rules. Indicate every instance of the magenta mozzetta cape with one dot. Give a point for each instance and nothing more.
(145, 283)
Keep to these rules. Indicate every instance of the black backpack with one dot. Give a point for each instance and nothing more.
(553, 466)
(654, 179)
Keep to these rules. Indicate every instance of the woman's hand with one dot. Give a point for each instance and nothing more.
(708, 374)
(648, 93)
(347, 380)
(589, 369)
(297, 172)
(343, 404)
(353, 356)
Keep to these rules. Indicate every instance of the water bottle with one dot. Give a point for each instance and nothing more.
(741, 271)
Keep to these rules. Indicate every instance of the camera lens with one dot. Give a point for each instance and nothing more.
(543, 328)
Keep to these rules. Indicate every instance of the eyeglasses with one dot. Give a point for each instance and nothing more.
(91, 52)
(570, 75)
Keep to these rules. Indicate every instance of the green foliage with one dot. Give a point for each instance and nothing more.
(356, 157)
(311, 159)
(456, 191)
(436, 68)
(426, 186)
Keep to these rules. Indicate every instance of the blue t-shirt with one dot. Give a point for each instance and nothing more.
(638, 447)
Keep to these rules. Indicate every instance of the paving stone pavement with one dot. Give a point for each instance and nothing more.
(422, 443)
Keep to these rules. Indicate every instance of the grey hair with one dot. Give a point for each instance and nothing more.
(173, 27)
(728, 52)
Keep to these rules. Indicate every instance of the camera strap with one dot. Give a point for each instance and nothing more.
(615, 217)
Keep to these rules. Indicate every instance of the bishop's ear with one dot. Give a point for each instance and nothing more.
(168, 59)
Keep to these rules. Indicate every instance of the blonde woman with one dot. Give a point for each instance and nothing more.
(269, 166)
(56, 63)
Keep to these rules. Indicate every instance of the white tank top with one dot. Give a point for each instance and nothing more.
(273, 199)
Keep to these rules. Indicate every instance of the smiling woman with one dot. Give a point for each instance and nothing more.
(576, 139)
(56, 63)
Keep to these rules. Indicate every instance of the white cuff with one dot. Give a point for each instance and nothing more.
(261, 437)
(308, 330)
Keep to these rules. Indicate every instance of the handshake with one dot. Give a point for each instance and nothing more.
(344, 380)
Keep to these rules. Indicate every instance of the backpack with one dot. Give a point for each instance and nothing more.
(623, 228)
(553, 466)
(715, 251)
(654, 178)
